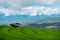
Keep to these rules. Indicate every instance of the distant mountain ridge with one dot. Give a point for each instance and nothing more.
(25, 19)
(49, 20)
(55, 25)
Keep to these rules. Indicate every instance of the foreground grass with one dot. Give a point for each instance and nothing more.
(23, 33)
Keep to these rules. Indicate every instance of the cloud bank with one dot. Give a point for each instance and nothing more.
(17, 4)
(31, 11)
(24, 7)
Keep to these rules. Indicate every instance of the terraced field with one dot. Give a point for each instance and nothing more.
(25, 33)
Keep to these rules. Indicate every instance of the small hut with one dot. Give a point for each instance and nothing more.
(15, 25)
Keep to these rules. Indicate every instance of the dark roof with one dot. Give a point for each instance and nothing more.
(15, 24)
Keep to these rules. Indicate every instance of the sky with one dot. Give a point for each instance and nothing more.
(27, 10)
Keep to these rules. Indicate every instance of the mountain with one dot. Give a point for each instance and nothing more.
(55, 25)
(23, 19)
(49, 20)
(51, 23)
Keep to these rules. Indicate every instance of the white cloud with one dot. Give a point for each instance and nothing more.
(17, 4)
(48, 2)
(7, 12)
(41, 10)
(32, 11)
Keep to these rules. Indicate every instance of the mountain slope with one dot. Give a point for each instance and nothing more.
(49, 20)
(55, 25)
(24, 33)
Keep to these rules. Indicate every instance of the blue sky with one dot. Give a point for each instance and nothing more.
(25, 11)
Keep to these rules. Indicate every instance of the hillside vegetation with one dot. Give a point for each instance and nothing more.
(49, 20)
(25, 33)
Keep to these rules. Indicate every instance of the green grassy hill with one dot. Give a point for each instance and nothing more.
(24, 33)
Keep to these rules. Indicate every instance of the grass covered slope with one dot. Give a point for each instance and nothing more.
(24, 33)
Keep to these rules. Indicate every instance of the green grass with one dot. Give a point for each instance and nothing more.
(24, 33)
